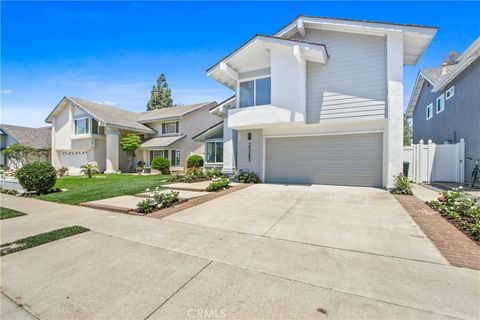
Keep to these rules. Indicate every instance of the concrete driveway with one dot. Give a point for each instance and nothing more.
(360, 219)
(131, 267)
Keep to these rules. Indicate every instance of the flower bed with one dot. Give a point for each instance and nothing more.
(197, 175)
(461, 209)
(157, 200)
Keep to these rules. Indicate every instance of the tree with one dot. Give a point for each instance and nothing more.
(407, 133)
(130, 144)
(89, 169)
(161, 95)
(19, 154)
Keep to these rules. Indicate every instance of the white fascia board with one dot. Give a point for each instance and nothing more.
(297, 53)
(470, 50)
(415, 94)
(301, 27)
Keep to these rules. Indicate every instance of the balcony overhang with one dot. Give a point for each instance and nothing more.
(261, 116)
(255, 55)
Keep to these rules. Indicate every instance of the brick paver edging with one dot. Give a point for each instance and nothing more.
(456, 247)
(195, 202)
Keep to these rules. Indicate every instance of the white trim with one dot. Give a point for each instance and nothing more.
(430, 106)
(450, 92)
(254, 79)
(216, 140)
(441, 98)
(75, 126)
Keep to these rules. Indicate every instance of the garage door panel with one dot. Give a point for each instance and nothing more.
(342, 159)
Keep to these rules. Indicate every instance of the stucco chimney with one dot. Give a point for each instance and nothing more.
(444, 68)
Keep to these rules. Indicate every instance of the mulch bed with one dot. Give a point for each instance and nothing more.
(453, 244)
(195, 202)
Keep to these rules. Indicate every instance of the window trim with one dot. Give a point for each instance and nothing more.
(430, 106)
(450, 90)
(214, 151)
(169, 156)
(442, 99)
(88, 125)
(164, 126)
(254, 79)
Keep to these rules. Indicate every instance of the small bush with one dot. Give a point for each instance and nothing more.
(213, 173)
(248, 177)
(157, 199)
(89, 169)
(195, 161)
(146, 206)
(161, 164)
(37, 176)
(402, 185)
(219, 184)
(62, 171)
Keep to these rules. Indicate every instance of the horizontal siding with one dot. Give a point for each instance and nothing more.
(353, 81)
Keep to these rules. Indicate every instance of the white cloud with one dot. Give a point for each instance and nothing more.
(6, 91)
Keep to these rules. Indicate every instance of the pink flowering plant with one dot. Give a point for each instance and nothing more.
(402, 185)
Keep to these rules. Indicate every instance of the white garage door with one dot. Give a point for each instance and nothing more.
(73, 160)
(354, 160)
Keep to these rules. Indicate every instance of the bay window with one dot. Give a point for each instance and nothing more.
(214, 152)
(255, 92)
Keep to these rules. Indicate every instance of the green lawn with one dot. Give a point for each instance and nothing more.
(6, 213)
(101, 186)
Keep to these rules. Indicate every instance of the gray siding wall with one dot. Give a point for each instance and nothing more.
(250, 153)
(353, 81)
(460, 119)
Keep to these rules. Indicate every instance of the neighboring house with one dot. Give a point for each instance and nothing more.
(320, 101)
(38, 138)
(445, 104)
(86, 131)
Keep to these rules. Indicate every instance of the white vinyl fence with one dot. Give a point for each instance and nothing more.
(435, 162)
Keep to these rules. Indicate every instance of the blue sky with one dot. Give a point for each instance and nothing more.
(113, 52)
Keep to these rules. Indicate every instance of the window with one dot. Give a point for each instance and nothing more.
(429, 111)
(214, 152)
(450, 93)
(81, 126)
(440, 103)
(255, 92)
(172, 155)
(94, 126)
(170, 127)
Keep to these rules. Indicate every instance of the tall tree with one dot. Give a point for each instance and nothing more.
(130, 144)
(407, 133)
(161, 95)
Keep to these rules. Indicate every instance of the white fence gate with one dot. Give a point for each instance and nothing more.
(435, 162)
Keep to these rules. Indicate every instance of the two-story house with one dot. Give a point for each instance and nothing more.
(85, 131)
(445, 104)
(320, 101)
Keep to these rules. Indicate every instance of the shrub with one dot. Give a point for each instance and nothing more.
(248, 177)
(195, 161)
(218, 184)
(402, 185)
(62, 171)
(89, 169)
(213, 173)
(157, 199)
(37, 176)
(161, 164)
(140, 166)
(146, 206)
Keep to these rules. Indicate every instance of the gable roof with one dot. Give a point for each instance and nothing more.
(40, 138)
(439, 78)
(105, 114)
(172, 112)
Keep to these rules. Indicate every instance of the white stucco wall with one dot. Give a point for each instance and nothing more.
(250, 152)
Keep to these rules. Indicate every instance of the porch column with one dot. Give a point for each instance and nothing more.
(393, 134)
(112, 150)
(228, 149)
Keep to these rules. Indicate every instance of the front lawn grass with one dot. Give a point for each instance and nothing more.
(101, 186)
(40, 239)
(6, 213)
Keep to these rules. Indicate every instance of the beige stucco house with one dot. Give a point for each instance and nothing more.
(85, 131)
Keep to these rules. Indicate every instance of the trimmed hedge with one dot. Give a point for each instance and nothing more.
(195, 161)
(161, 164)
(37, 176)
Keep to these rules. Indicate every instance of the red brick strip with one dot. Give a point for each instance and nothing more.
(456, 247)
(105, 207)
(185, 188)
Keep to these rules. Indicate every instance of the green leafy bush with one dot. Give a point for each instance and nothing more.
(248, 177)
(462, 208)
(402, 185)
(195, 161)
(161, 164)
(146, 206)
(197, 174)
(89, 169)
(218, 184)
(157, 199)
(37, 176)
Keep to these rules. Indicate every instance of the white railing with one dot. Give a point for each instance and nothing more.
(435, 162)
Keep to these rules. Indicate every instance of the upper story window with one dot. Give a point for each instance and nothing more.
(170, 127)
(82, 126)
(255, 92)
(450, 93)
(429, 111)
(440, 103)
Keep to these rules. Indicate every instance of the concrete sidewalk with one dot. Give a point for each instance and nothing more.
(249, 276)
